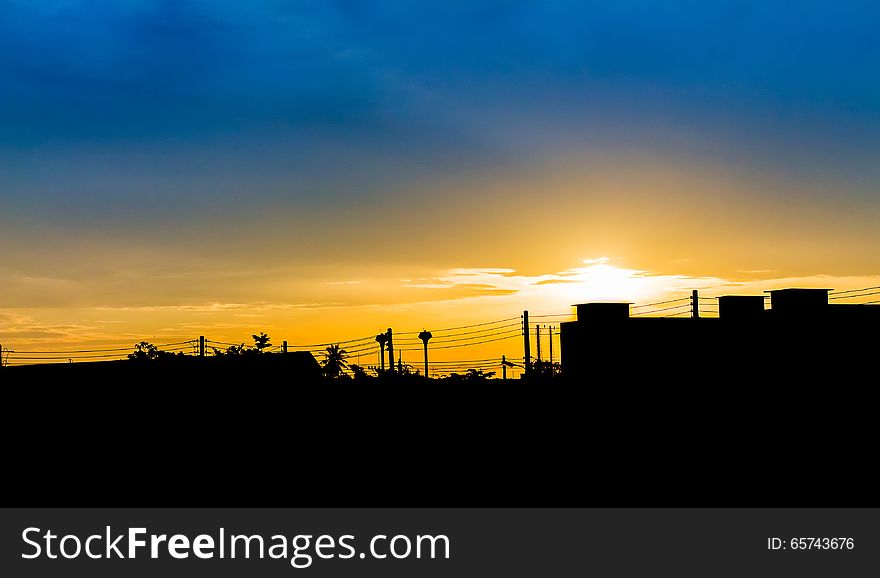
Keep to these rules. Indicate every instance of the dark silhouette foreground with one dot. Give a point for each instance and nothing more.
(785, 417)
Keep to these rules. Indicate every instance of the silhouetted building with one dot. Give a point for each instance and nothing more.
(295, 367)
(602, 312)
(801, 336)
(799, 303)
(741, 308)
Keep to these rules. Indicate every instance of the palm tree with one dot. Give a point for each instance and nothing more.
(334, 361)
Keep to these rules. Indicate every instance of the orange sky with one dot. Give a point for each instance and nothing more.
(324, 171)
(462, 251)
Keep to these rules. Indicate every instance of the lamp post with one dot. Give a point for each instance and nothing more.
(425, 336)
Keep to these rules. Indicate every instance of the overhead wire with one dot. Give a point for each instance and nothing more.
(660, 310)
(856, 296)
(855, 290)
(462, 326)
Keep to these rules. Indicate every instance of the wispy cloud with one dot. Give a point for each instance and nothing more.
(222, 307)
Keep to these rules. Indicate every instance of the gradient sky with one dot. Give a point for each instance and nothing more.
(327, 169)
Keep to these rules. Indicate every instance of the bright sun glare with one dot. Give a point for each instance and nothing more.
(599, 280)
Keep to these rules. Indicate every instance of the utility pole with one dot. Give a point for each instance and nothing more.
(538, 341)
(381, 339)
(201, 345)
(527, 354)
(695, 304)
(551, 349)
(504, 367)
(284, 346)
(425, 336)
(390, 350)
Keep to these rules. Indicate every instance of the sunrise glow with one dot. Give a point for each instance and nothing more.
(324, 173)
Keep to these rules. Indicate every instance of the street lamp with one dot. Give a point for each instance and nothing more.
(425, 336)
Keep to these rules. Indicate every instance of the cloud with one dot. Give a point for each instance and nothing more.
(222, 307)
(481, 271)
(25, 328)
(595, 261)
(556, 281)
(14, 319)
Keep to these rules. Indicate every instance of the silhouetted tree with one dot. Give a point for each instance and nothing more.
(334, 361)
(261, 342)
(478, 374)
(471, 375)
(359, 372)
(237, 349)
(232, 350)
(144, 351)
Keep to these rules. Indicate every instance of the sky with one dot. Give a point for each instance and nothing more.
(324, 170)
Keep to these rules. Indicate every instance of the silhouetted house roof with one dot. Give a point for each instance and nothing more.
(798, 302)
(602, 312)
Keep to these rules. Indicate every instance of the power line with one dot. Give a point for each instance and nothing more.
(76, 351)
(356, 352)
(855, 290)
(65, 355)
(465, 361)
(468, 335)
(508, 332)
(855, 296)
(661, 310)
(310, 346)
(478, 342)
(15, 356)
(340, 342)
(177, 343)
(554, 315)
(660, 302)
(462, 326)
(517, 331)
(487, 330)
(99, 350)
(490, 363)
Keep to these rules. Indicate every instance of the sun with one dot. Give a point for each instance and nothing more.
(599, 280)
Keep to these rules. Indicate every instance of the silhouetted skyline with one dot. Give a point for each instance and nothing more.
(807, 329)
(169, 170)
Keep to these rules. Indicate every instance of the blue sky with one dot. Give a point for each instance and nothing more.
(335, 133)
(398, 74)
